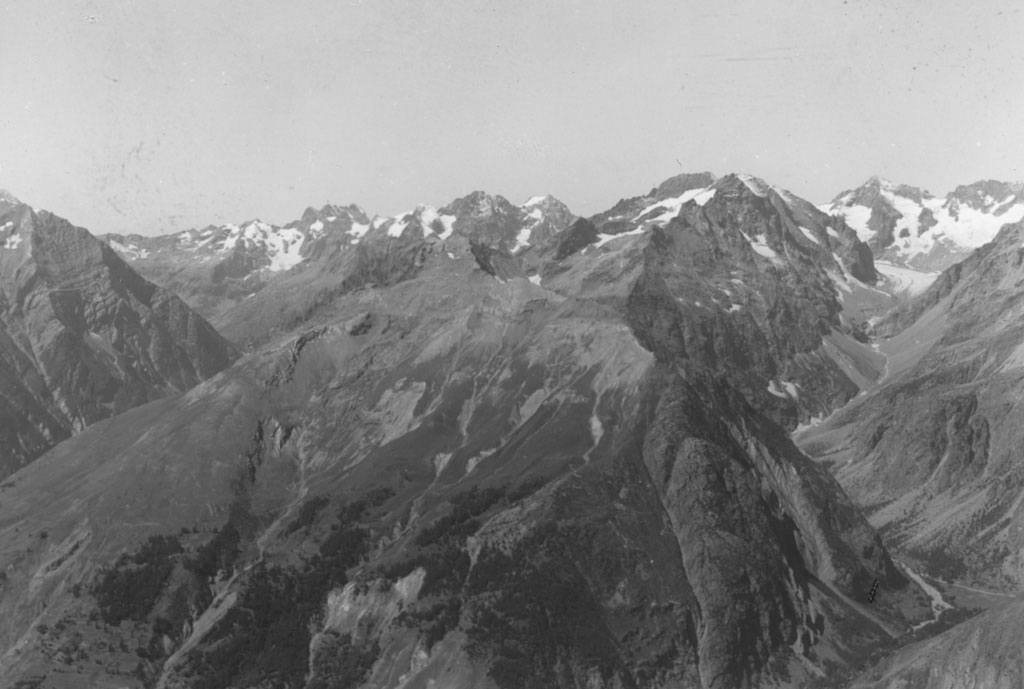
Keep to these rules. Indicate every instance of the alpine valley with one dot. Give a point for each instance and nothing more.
(713, 437)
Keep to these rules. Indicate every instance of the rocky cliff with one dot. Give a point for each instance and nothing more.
(83, 336)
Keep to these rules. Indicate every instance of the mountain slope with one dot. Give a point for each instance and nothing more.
(981, 652)
(909, 226)
(932, 453)
(82, 336)
(449, 473)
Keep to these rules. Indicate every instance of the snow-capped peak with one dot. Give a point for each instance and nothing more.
(536, 200)
(908, 226)
(430, 220)
(8, 197)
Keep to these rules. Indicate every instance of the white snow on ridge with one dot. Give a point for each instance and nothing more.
(398, 227)
(603, 239)
(754, 184)
(857, 218)
(672, 206)
(129, 250)
(283, 247)
(523, 236)
(971, 227)
(536, 200)
(357, 230)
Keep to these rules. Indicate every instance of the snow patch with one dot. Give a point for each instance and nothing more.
(130, 250)
(670, 207)
(399, 225)
(358, 230)
(535, 200)
(959, 224)
(603, 239)
(535, 279)
(809, 235)
(757, 186)
(760, 245)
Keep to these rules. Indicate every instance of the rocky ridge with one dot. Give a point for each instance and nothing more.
(83, 336)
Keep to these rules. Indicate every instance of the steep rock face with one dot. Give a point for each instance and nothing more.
(455, 475)
(82, 336)
(909, 226)
(739, 277)
(933, 452)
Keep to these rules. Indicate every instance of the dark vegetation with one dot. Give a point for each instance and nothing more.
(307, 514)
(128, 589)
(528, 612)
(266, 635)
(461, 522)
(533, 612)
(341, 664)
(217, 554)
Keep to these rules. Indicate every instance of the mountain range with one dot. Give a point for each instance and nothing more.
(489, 445)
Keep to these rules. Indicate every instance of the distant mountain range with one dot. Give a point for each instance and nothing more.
(489, 445)
(909, 226)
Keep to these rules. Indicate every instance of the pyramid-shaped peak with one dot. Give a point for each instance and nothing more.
(738, 182)
(478, 203)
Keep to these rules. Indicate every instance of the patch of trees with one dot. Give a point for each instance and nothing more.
(441, 553)
(307, 514)
(461, 521)
(340, 663)
(533, 611)
(129, 588)
(266, 634)
(220, 552)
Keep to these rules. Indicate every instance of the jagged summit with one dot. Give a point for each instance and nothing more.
(907, 225)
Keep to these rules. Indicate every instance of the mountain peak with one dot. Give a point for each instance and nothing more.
(682, 183)
(8, 197)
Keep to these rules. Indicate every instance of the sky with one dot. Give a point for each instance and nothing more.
(152, 117)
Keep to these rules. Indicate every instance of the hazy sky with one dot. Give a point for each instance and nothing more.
(157, 116)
